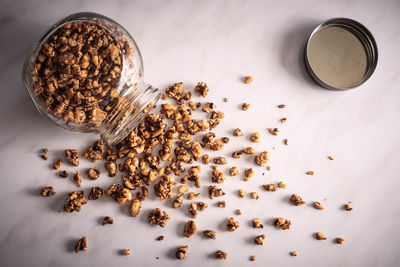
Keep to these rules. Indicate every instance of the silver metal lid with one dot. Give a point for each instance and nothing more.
(340, 54)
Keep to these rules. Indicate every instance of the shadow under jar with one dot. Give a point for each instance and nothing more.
(86, 75)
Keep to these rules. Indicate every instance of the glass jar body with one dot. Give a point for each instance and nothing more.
(86, 74)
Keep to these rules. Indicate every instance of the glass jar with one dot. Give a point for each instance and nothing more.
(86, 75)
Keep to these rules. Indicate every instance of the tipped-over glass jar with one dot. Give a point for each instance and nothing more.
(86, 75)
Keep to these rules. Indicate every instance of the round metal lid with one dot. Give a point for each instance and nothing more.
(340, 54)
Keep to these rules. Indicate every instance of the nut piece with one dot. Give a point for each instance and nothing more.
(210, 234)
(219, 160)
(221, 204)
(255, 195)
(178, 201)
(273, 131)
(190, 228)
(95, 193)
(163, 188)
(257, 223)
(260, 240)
(285, 141)
(340, 240)
(245, 106)
(57, 164)
(282, 185)
(252, 258)
(126, 252)
(237, 132)
(214, 191)
(111, 167)
(238, 212)
(217, 176)
(181, 252)
(160, 238)
(192, 195)
(119, 193)
(283, 120)
(64, 174)
(282, 223)
(197, 206)
(234, 171)
(331, 158)
(93, 174)
(237, 154)
(348, 207)
(242, 193)
(281, 106)
(232, 225)
(296, 199)
(226, 99)
(206, 159)
(293, 253)
(320, 236)
(262, 158)
(318, 205)
(255, 137)
(249, 150)
(248, 79)
(48, 191)
(107, 220)
(159, 217)
(81, 245)
(78, 179)
(221, 255)
(270, 187)
(310, 173)
(75, 201)
(248, 174)
(202, 89)
(72, 156)
(134, 207)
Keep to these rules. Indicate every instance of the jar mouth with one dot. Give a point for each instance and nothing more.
(130, 115)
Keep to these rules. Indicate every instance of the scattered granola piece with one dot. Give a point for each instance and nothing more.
(268, 168)
(273, 131)
(95, 193)
(348, 207)
(262, 158)
(111, 167)
(242, 193)
(237, 154)
(255, 137)
(310, 173)
(318, 205)
(107, 220)
(93, 174)
(320, 236)
(238, 212)
(183, 189)
(210, 234)
(177, 201)
(283, 120)
(221, 204)
(214, 191)
(340, 240)
(45, 151)
(57, 164)
(72, 156)
(296, 199)
(219, 160)
(202, 89)
(248, 174)
(270, 187)
(232, 225)
(197, 206)
(64, 174)
(163, 188)
(221, 255)
(126, 252)
(249, 150)
(252, 258)
(282, 223)
(248, 79)
(78, 179)
(181, 252)
(159, 217)
(81, 245)
(206, 159)
(226, 99)
(293, 253)
(285, 141)
(43, 156)
(119, 193)
(217, 176)
(134, 207)
(281, 106)
(257, 223)
(192, 195)
(282, 185)
(234, 171)
(330, 157)
(208, 107)
(237, 132)
(255, 195)
(75, 201)
(190, 228)
(260, 240)
(245, 106)
(48, 191)
(160, 238)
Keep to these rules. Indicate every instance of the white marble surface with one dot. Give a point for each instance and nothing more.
(218, 42)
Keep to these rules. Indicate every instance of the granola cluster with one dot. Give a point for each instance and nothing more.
(159, 217)
(75, 201)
